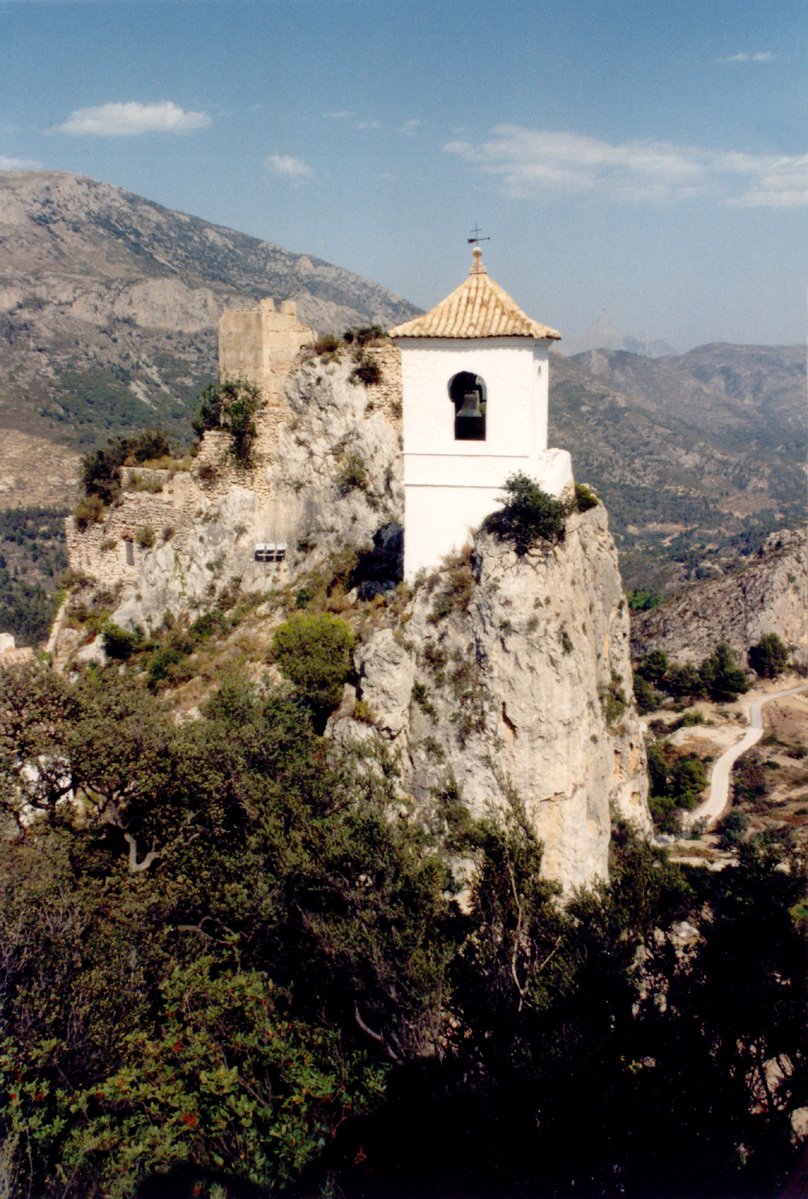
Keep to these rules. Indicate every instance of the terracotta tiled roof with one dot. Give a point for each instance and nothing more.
(477, 308)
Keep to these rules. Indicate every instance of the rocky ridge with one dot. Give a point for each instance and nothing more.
(109, 304)
(770, 595)
(498, 676)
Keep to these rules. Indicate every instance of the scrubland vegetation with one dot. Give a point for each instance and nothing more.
(230, 950)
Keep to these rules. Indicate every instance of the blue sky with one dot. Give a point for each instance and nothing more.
(646, 160)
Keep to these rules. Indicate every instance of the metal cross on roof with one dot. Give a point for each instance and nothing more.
(475, 237)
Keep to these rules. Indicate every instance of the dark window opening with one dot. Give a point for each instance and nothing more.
(467, 393)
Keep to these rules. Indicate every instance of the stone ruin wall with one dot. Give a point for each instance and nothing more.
(261, 344)
(386, 395)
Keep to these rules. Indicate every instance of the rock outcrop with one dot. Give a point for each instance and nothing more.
(326, 477)
(510, 678)
(770, 595)
(498, 677)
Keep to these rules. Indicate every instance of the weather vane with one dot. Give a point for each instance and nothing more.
(475, 238)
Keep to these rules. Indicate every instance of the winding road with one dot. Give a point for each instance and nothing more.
(717, 801)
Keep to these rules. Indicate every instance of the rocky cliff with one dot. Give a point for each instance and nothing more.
(498, 677)
(508, 678)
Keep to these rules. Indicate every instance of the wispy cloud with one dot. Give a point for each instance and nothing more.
(18, 164)
(357, 122)
(132, 118)
(288, 167)
(531, 161)
(742, 56)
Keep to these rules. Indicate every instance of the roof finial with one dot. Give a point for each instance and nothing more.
(477, 267)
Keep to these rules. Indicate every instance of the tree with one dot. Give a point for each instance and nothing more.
(769, 656)
(721, 676)
(528, 515)
(315, 653)
(231, 405)
(653, 666)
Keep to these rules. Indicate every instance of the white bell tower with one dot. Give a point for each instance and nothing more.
(475, 375)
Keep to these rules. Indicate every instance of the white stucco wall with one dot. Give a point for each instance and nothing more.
(515, 370)
(439, 518)
(449, 485)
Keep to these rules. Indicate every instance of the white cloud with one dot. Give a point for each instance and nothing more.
(532, 161)
(288, 167)
(18, 164)
(412, 123)
(367, 124)
(126, 120)
(758, 56)
(341, 115)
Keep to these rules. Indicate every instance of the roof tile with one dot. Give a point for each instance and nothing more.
(479, 307)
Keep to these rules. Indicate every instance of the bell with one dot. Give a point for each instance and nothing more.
(471, 406)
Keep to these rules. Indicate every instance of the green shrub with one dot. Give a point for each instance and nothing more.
(231, 405)
(721, 676)
(145, 537)
(647, 697)
(457, 589)
(101, 470)
(676, 781)
(327, 346)
(653, 666)
(585, 497)
(642, 601)
(160, 665)
(119, 643)
(352, 474)
(528, 515)
(367, 371)
(89, 510)
(769, 656)
(362, 335)
(148, 445)
(613, 701)
(315, 653)
(733, 829)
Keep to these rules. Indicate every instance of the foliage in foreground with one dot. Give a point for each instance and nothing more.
(246, 960)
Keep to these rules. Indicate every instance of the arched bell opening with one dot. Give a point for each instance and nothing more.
(467, 393)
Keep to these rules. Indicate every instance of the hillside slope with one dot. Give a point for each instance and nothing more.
(109, 304)
(698, 457)
(770, 595)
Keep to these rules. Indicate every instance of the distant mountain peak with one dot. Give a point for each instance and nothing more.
(603, 335)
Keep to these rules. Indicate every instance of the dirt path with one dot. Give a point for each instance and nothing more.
(718, 800)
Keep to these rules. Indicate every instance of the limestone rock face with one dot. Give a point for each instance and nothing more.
(511, 677)
(500, 677)
(337, 471)
(326, 479)
(769, 596)
(387, 672)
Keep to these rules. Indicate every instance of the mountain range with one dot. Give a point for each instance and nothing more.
(109, 305)
(108, 312)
